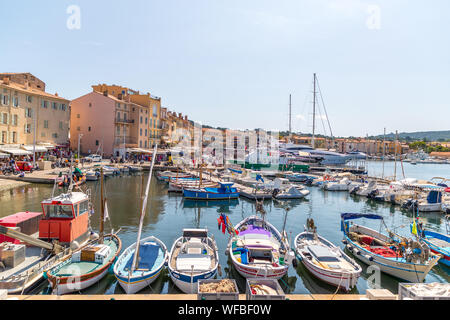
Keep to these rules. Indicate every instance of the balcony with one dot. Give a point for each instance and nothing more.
(128, 140)
(124, 120)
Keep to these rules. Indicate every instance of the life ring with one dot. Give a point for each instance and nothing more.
(326, 177)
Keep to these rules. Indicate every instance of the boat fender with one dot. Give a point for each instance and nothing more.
(111, 269)
(350, 248)
(357, 252)
(93, 236)
(294, 263)
(370, 258)
(45, 275)
(74, 245)
(344, 241)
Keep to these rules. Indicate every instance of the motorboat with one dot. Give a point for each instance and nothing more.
(225, 190)
(194, 256)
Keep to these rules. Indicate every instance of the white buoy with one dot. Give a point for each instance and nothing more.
(94, 236)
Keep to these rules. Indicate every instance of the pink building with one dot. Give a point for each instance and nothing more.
(108, 125)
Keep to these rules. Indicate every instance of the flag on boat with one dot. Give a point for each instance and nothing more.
(225, 223)
(414, 228)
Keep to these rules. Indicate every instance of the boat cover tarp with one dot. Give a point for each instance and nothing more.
(251, 229)
(148, 253)
(349, 216)
(434, 197)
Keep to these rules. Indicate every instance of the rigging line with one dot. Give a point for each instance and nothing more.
(321, 117)
(326, 114)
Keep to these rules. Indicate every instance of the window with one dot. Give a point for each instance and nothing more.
(155, 109)
(118, 130)
(140, 132)
(61, 125)
(145, 132)
(78, 115)
(29, 99)
(78, 129)
(140, 144)
(4, 136)
(118, 105)
(58, 211)
(124, 116)
(118, 115)
(145, 143)
(46, 124)
(96, 142)
(55, 105)
(42, 134)
(55, 135)
(15, 101)
(140, 120)
(145, 120)
(90, 105)
(89, 128)
(63, 106)
(84, 207)
(5, 118)
(151, 120)
(15, 119)
(14, 137)
(5, 100)
(28, 128)
(28, 112)
(44, 104)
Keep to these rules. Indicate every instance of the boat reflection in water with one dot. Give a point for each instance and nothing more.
(224, 204)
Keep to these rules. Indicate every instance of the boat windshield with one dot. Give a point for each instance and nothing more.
(58, 211)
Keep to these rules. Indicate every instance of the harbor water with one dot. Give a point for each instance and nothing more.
(168, 214)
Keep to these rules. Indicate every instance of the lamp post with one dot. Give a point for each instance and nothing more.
(78, 150)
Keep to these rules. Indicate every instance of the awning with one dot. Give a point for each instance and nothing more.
(37, 148)
(4, 155)
(139, 150)
(16, 151)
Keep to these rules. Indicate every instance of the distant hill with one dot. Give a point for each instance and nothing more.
(411, 136)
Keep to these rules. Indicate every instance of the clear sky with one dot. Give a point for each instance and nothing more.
(234, 63)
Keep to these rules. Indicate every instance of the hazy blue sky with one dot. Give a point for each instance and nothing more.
(234, 63)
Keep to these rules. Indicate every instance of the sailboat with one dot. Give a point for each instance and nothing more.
(142, 262)
(88, 265)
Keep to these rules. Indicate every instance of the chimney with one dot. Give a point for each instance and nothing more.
(185, 117)
(119, 96)
(56, 93)
(105, 93)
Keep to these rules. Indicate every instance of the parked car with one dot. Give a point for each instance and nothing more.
(94, 158)
(25, 166)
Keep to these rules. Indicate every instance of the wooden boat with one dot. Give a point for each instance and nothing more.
(88, 265)
(400, 257)
(152, 258)
(45, 239)
(178, 186)
(324, 260)
(141, 263)
(224, 191)
(258, 249)
(194, 256)
(439, 243)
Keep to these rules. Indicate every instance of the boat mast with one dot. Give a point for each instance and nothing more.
(290, 117)
(144, 207)
(395, 156)
(102, 208)
(314, 113)
(384, 149)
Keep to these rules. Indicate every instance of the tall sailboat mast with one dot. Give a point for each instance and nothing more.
(144, 207)
(314, 112)
(102, 208)
(290, 116)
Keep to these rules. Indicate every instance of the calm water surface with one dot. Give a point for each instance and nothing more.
(168, 214)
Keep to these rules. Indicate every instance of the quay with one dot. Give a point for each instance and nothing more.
(183, 297)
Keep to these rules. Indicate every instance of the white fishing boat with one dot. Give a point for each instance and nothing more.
(194, 256)
(342, 185)
(395, 255)
(259, 249)
(92, 175)
(324, 260)
(433, 202)
(141, 263)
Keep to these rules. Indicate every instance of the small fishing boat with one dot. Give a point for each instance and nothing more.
(224, 191)
(141, 263)
(153, 256)
(88, 265)
(168, 175)
(257, 249)
(433, 202)
(439, 243)
(293, 192)
(134, 168)
(194, 256)
(179, 185)
(325, 260)
(92, 175)
(45, 239)
(395, 255)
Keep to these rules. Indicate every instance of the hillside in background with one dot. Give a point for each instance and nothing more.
(411, 136)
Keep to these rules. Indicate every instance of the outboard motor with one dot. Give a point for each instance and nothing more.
(275, 192)
(354, 189)
(372, 194)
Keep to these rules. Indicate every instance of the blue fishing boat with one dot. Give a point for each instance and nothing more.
(439, 243)
(224, 191)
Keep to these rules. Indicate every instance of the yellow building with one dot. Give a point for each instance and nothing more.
(24, 104)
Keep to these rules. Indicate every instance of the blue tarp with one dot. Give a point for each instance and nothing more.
(349, 216)
(434, 197)
(148, 253)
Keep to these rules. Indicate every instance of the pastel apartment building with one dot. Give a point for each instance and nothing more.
(28, 113)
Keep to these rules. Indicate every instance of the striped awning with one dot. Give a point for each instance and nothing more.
(15, 151)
